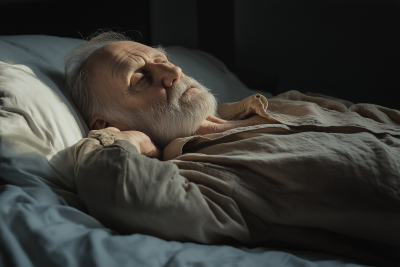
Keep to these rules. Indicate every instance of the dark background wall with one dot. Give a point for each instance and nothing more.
(348, 49)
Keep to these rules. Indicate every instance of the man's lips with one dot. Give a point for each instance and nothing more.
(187, 90)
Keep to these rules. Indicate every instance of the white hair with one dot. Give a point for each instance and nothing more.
(89, 103)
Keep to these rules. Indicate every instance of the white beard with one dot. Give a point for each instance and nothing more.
(181, 116)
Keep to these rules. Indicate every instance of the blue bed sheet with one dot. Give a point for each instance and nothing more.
(38, 229)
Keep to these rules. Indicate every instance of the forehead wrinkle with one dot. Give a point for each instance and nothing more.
(115, 60)
(153, 52)
(122, 64)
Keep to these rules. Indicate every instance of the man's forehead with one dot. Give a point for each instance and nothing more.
(130, 51)
(133, 49)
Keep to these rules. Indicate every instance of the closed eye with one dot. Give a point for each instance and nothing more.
(142, 78)
(134, 86)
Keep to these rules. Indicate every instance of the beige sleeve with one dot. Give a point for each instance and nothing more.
(131, 193)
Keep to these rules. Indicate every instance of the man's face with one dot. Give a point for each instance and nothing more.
(140, 79)
(132, 74)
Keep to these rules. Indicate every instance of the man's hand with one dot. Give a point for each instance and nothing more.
(140, 140)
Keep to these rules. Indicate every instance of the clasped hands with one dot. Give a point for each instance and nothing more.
(140, 140)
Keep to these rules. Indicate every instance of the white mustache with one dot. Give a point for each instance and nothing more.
(182, 86)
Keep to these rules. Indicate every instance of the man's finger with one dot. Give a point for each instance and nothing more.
(91, 132)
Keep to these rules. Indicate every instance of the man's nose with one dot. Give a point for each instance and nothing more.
(169, 74)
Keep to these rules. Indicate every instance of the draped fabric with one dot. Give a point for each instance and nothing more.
(324, 176)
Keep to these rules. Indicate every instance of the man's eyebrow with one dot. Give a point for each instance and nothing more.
(132, 67)
(129, 68)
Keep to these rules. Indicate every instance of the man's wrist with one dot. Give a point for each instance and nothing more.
(130, 138)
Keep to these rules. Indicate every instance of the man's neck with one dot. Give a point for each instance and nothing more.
(215, 125)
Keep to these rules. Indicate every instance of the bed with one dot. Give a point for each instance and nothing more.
(42, 222)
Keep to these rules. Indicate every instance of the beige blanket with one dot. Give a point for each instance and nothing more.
(325, 176)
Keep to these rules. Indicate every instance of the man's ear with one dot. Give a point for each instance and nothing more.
(98, 123)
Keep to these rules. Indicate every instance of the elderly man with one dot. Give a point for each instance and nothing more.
(297, 171)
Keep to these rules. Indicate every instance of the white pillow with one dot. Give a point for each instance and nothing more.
(39, 124)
